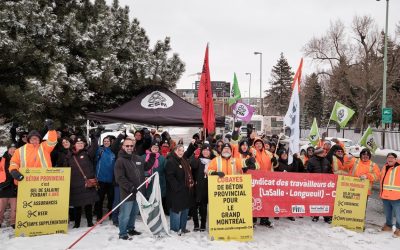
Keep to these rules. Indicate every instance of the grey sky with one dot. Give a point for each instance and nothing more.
(237, 28)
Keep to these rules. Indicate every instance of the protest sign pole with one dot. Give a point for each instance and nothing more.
(106, 216)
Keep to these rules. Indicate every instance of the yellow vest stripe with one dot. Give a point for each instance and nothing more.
(42, 158)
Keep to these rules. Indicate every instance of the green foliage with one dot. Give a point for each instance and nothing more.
(62, 59)
(278, 96)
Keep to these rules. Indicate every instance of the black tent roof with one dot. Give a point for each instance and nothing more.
(159, 107)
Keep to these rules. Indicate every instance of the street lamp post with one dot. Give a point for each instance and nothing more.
(385, 60)
(249, 74)
(262, 103)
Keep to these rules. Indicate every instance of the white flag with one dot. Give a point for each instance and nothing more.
(292, 122)
(152, 211)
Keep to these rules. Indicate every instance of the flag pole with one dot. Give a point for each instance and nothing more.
(106, 216)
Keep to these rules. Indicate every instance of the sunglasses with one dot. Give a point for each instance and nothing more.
(128, 146)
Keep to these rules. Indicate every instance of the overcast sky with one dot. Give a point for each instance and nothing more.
(237, 28)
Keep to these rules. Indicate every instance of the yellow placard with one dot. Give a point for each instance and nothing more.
(43, 201)
(350, 203)
(230, 208)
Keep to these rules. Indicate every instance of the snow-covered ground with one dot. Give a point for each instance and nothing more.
(300, 234)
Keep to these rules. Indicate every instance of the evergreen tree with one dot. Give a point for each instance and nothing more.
(313, 99)
(62, 59)
(278, 96)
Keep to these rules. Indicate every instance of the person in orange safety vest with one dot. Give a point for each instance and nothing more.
(366, 169)
(225, 163)
(34, 154)
(390, 193)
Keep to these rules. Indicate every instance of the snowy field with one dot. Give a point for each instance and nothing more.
(300, 234)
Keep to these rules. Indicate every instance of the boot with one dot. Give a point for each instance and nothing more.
(77, 214)
(89, 215)
(291, 218)
(203, 226)
(396, 233)
(386, 228)
(315, 218)
(196, 225)
(265, 222)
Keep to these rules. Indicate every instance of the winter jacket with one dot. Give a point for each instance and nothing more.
(319, 165)
(179, 196)
(200, 180)
(62, 157)
(30, 156)
(390, 182)
(161, 175)
(142, 145)
(79, 194)
(369, 169)
(7, 187)
(129, 173)
(296, 166)
(105, 161)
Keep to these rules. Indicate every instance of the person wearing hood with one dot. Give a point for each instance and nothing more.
(265, 159)
(180, 186)
(80, 160)
(319, 164)
(34, 154)
(364, 168)
(8, 189)
(309, 153)
(341, 163)
(296, 166)
(244, 157)
(199, 171)
(225, 163)
(153, 155)
(129, 175)
(390, 193)
(218, 148)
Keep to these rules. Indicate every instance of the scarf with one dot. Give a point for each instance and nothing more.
(205, 162)
(155, 165)
(164, 150)
(188, 172)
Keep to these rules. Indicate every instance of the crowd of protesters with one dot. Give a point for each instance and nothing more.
(115, 169)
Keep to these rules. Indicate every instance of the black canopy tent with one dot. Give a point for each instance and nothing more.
(158, 107)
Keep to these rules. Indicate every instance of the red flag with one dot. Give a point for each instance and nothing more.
(297, 76)
(205, 97)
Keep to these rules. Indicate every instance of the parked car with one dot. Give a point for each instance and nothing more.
(351, 148)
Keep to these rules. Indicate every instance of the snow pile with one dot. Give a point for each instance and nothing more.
(300, 234)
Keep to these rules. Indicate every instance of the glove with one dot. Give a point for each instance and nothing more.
(363, 177)
(251, 163)
(17, 175)
(220, 174)
(152, 155)
(238, 124)
(274, 161)
(49, 124)
(133, 189)
(244, 169)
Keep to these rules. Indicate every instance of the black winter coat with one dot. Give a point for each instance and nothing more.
(179, 196)
(319, 165)
(129, 173)
(7, 189)
(200, 181)
(79, 194)
(296, 166)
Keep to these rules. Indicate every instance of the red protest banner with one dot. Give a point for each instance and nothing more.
(284, 194)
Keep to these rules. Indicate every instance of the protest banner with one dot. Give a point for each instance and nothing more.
(230, 216)
(284, 194)
(350, 203)
(42, 202)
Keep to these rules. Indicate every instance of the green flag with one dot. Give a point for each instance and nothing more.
(235, 91)
(313, 137)
(367, 140)
(341, 114)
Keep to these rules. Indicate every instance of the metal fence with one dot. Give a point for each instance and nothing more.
(384, 139)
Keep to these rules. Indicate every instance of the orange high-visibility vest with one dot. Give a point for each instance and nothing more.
(390, 183)
(342, 168)
(263, 159)
(29, 156)
(227, 166)
(369, 168)
(3, 175)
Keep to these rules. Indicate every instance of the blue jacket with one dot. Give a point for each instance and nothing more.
(105, 162)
